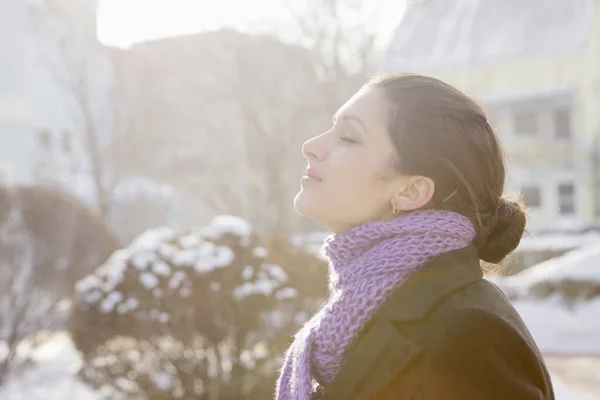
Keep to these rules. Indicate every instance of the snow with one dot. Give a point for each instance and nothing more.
(276, 272)
(132, 303)
(184, 257)
(142, 259)
(260, 252)
(580, 264)
(119, 256)
(152, 239)
(262, 286)
(205, 249)
(54, 376)
(92, 297)
(561, 329)
(122, 309)
(558, 242)
(110, 301)
(129, 305)
(564, 392)
(148, 280)
(140, 187)
(227, 224)
(205, 265)
(560, 324)
(163, 380)
(287, 293)
(189, 241)
(164, 317)
(222, 257)
(248, 272)
(161, 268)
(167, 251)
(176, 280)
(88, 283)
(225, 256)
(576, 266)
(160, 253)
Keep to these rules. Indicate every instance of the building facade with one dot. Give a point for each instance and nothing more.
(535, 67)
(52, 71)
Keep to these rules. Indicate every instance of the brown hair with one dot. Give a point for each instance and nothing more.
(441, 133)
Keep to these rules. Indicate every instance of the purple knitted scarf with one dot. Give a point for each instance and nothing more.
(366, 264)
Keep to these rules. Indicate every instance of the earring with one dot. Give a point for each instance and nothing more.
(395, 211)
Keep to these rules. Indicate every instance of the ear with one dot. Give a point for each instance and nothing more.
(416, 193)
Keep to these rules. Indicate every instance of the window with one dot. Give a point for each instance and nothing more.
(562, 124)
(566, 198)
(66, 142)
(525, 123)
(45, 138)
(532, 196)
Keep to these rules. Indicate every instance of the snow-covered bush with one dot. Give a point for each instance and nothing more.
(48, 240)
(228, 303)
(572, 277)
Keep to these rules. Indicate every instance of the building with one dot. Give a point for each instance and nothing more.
(52, 72)
(16, 135)
(535, 66)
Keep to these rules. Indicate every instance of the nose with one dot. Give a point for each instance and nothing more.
(314, 149)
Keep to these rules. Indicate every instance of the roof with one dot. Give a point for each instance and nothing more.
(441, 33)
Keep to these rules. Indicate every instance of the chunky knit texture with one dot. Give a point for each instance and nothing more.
(366, 264)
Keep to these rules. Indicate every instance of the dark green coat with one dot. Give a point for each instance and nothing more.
(447, 334)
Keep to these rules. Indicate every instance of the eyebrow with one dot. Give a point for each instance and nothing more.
(352, 118)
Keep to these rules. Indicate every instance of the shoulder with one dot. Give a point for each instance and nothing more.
(475, 328)
(480, 351)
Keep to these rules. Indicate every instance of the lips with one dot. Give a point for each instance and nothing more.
(311, 173)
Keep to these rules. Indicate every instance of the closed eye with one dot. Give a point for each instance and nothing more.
(348, 140)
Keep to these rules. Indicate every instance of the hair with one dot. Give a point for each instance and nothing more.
(440, 133)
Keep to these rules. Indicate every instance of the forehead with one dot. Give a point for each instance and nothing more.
(369, 105)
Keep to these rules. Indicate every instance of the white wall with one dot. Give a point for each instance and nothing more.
(36, 95)
(15, 111)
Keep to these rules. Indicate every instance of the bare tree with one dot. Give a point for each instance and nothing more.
(48, 240)
(343, 37)
(278, 100)
(235, 110)
(68, 50)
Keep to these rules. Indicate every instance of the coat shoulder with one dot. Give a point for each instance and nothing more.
(482, 354)
(475, 346)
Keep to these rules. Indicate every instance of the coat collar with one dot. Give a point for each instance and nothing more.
(445, 274)
(382, 352)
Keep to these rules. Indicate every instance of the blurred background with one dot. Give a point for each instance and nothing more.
(150, 154)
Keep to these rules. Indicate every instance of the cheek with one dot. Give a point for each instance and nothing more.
(359, 187)
(354, 189)
(361, 171)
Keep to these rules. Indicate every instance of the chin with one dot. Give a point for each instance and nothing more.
(307, 205)
(300, 203)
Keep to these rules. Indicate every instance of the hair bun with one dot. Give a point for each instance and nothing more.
(506, 227)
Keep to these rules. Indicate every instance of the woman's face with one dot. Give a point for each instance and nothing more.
(350, 179)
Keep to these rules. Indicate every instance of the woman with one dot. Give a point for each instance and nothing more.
(410, 180)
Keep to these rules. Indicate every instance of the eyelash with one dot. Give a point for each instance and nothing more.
(345, 139)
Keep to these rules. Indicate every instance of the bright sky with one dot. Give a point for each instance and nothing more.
(122, 22)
